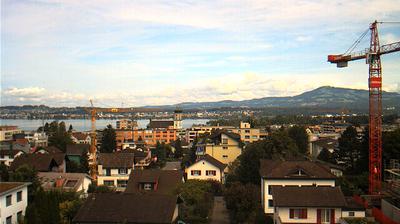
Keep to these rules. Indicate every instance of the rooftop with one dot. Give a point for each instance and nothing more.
(6, 187)
(116, 160)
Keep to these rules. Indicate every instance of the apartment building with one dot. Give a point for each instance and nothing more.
(37, 139)
(249, 134)
(13, 201)
(202, 130)
(127, 124)
(7, 132)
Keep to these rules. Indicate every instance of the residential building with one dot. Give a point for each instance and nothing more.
(290, 173)
(115, 208)
(114, 169)
(202, 130)
(80, 138)
(222, 145)
(7, 132)
(20, 144)
(142, 157)
(37, 139)
(206, 168)
(48, 150)
(126, 124)
(8, 156)
(152, 136)
(77, 182)
(122, 136)
(75, 152)
(41, 162)
(13, 201)
(307, 204)
(154, 181)
(249, 134)
(330, 144)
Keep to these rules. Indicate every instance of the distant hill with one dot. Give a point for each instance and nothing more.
(325, 96)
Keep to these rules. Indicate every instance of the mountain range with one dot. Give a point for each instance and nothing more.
(325, 96)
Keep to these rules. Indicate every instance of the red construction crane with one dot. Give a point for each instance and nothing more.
(373, 58)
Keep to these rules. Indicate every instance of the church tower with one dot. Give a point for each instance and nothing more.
(178, 119)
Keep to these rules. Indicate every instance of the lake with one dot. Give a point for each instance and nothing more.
(85, 125)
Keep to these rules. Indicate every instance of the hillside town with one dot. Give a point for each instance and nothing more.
(279, 173)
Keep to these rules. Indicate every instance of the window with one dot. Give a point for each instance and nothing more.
(224, 141)
(254, 137)
(211, 173)
(247, 131)
(122, 183)
(247, 136)
(325, 216)
(8, 200)
(270, 203)
(224, 156)
(19, 196)
(270, 189)
(8, 219)
(109, 182)
(148, 187)
(19, 217)
(107, 172)
(71, 183)
(298, 213)
(122, 171)
(225, 147)
(195, 172)
(351, 214)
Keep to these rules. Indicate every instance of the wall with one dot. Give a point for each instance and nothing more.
(357, 214)
(218, 151)
(283, 214)
(115, 176)
(283, 182)
(203, 166)
(15, 206)
(390, 210)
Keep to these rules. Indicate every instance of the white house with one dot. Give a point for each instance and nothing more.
(7, 156)
(13, 201)
(290, 173)
(77, 182)
(206, 168)
(114, 169)
(80, 138)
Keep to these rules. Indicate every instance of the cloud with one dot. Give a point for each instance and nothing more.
(28, 92)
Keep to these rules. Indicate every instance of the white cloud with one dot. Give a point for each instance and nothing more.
(28, 92)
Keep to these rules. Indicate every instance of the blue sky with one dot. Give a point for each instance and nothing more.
(65, 52)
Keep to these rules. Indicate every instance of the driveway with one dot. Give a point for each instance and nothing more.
(220, 214)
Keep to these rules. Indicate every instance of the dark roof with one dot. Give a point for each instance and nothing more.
(352, 205)
(6, 152)
(127, 208)
(40, 162)
(217, 135)
(308, 196)
(167, 180)
(291, 169)
(77, 149)
(213, 161)
(52, 149)
(139, 155)
(116, 160)
(69, 181)
(80, 136)
(5, 187)
(161, 123)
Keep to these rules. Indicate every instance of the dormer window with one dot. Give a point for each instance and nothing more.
(301, 173)
(147, 186)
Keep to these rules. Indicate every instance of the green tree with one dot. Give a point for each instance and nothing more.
(242, 201)
(178, 149)
(4, 176)
(326, 156)
(58, 136)
(108, 141)
(26, 173)
(349, 148)
(391, 145)
(300, 136)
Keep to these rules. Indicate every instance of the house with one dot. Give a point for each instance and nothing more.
(328, 143)
(290, 173)
(353, 209)
(37, 139)
(48, 150)
(74, 152)
(80, 138)
(77, 182)
(7, 132)
(201, 130)
(13, 201)
(8, 156)
(114, 169)
(222, 145)
(20, 145)
(128, 208)
(142, 157)
(41, 162)
(206, 168)
(154, 181)
(307, 204)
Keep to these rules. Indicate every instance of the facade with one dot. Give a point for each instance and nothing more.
(126, 124)
(206, 168)
(80, 138)
(201, 130)
(114, 169)
(290, 173)
(77, 182)
(248, 134)
(222, 146)
(37, 139)
(8, 156)
(7, 132)
(151, 136)
(123, 135)
(13, 201)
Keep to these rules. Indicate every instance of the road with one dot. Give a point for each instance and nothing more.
(220, 214)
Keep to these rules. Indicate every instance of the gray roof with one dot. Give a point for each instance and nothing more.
(290, 170)
(70, 181)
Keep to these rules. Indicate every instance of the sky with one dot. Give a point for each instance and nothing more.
(135, 53)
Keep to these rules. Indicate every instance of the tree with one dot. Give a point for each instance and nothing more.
(70, 129)
(242, 201)
(159, 152)
(391, 145)
(300, 136)
(326, 156)
(4, 176)
(58, 136)
(349, 148)
(108, 141)
(26, 173)
(178, 149)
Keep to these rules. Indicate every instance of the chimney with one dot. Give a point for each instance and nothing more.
(59, 181)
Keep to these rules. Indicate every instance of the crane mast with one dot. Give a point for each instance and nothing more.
(373, 59)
